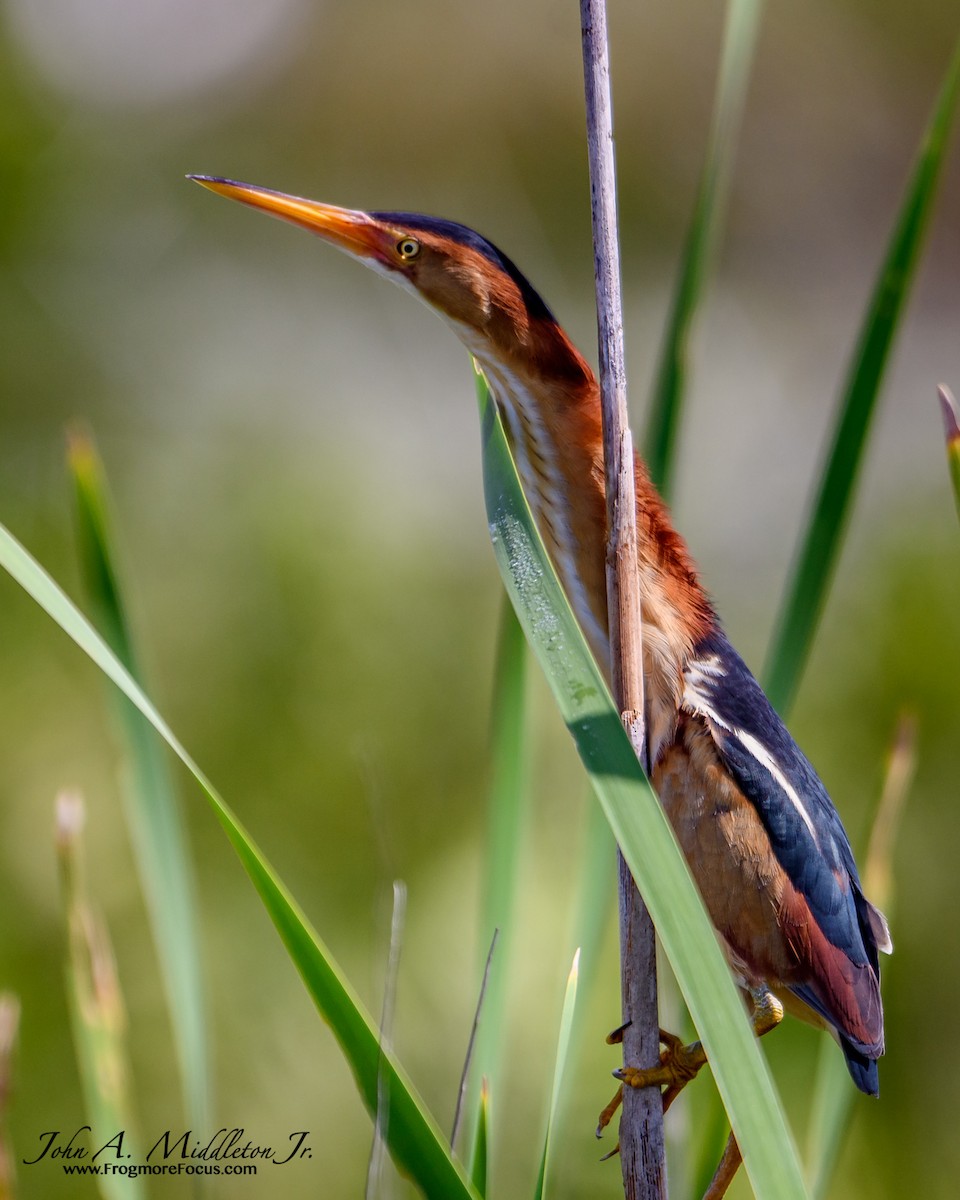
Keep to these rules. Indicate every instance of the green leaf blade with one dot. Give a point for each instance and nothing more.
(813, 569)
(832, 1108)
(639, 825)
(507, 809)
(414, 1140)
(564, 1037)
(740, 36)
(152, 807)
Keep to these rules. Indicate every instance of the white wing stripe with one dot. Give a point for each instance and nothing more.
(765, 759)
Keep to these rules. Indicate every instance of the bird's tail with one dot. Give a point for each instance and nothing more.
(863, 1070)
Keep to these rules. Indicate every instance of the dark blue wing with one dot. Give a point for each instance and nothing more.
(806, 835)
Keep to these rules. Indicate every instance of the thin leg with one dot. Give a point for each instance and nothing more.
(767, 1015)
(723, 1176)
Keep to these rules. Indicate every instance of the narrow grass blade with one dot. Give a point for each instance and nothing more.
(388, 1008)
(951, 429)
(96, 1006)
(638, 824)
(805, 593)
(593, 913)
(415, 1141)
(833, 1094)
(471, 1047)
(9, 1024)
(901, 768)
(507, 811)
(481, 1148)
(560, 1066)
(597, 888)
(153, 812)
(739, 39)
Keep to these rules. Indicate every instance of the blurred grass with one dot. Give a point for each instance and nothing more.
(560, 1063)
(508, 809)
(741, 28)
(97, 1008)
(152, 809)
(481, 1146)
(833, 1100)
(412, 1135)
(806, 593)
(804, 597)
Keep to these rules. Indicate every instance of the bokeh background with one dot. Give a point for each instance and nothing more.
(293, 454)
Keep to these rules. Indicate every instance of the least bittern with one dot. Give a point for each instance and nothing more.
(762, 837)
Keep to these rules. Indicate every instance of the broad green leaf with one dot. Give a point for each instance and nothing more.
(414, 1140)
(96, 1006)
(639, 825)
(559, 1068)
(739, 39)
(810, 577)
(951, 430)
(153, 812)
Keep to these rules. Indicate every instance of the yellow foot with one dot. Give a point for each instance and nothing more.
(677, 1066)
(679, 1063)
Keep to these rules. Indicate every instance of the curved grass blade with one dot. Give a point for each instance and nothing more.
(560, 1066)
(739, 39)
(638, 824)
(415, 1141)
(152, 809)
(805, 593)
(96, 1006)
(951, 429)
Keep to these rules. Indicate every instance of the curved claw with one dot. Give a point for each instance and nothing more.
(607, 1116)
(677, 1066)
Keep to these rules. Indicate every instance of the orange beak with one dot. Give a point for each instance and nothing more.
(355, 232)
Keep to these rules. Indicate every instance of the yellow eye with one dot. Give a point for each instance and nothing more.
(408, 248)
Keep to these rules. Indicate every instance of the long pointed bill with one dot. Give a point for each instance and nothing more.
(354, 232)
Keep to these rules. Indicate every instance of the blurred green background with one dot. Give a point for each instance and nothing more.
(293, 454)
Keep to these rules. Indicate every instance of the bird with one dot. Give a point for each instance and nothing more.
(763, 840)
